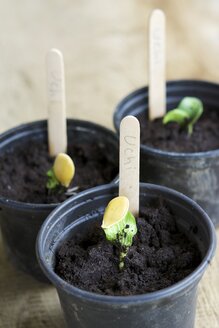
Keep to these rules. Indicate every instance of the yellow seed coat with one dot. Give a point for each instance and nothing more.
(64, 169)
(115, 211)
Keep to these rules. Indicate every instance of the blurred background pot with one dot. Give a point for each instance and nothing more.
(171, 307)
(194, 174)
(20, 222)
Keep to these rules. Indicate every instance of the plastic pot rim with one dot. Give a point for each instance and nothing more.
(158, 152)
(7, 202)
(140, 298)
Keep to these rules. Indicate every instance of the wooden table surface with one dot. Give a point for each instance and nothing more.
(104, 43)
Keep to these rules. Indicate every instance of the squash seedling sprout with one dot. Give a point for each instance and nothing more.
(62, 172)
(119, 225)
(119, 222)
(186, 114)
(156, 67)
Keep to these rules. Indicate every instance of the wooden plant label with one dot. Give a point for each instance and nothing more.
(157, 80)
(129, 162)
(57, 130)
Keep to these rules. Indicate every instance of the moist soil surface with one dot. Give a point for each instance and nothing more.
(23, 172)
(172, 138)
(160, 256)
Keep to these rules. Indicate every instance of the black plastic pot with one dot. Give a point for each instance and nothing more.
(194, 174)
(171, 307)
(20, 222)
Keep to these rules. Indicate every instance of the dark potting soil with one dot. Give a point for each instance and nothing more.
(171, 137)
(23, 171)
(160, 256)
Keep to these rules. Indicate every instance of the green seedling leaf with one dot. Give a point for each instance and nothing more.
(194, 107)
(52, 182)
(176, 115)
(186, 115)
(119, 225)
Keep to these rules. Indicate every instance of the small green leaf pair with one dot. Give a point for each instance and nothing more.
(186, 114)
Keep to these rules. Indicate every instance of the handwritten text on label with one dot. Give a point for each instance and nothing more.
(55, 85)
(130, 153)
(157, 45)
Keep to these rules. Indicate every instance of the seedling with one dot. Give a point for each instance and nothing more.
(119, 226)
(62, 172)
(186, 114)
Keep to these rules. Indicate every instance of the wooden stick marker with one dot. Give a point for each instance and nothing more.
(157, 80)
(129, 162)
(57, 130)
